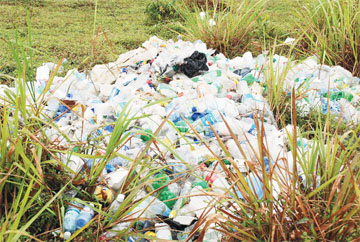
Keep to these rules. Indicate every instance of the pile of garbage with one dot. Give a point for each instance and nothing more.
(201, 92)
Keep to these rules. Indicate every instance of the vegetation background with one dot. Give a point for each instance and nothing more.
(87, 32)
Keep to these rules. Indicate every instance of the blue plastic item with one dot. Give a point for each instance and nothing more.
(109, 128)
(84, 217)
(71, 214)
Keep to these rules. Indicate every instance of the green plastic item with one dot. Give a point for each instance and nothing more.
(144, 137)
(227, 162)
(201, 183)
(249, 78)
(161, 180)
(339, 95)
(182, 126)
(209, 77)
(167, 195)
(214, 59)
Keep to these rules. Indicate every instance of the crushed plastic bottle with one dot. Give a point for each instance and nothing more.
(162, 231)
(85, 216)
(70, 219)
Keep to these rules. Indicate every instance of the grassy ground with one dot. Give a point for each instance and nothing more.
(33, 179)
(65, 28)
(68, 28)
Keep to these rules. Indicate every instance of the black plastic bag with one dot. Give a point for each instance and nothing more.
(194, 64)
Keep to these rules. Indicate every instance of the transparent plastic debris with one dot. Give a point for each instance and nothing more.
(71, 215)
(85, 216)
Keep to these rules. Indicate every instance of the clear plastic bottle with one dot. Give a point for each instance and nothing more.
(182, 200)
(156, 207)
(212, 235)
(114, 230)
(84, 217)
(117, 202)
(162, 231)
(71, 215)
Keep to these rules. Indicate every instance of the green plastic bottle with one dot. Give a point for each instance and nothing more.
(165, 196)
(161, 179)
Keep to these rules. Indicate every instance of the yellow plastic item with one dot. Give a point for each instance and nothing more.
(172, 214)
(150, 234)
(103, 193)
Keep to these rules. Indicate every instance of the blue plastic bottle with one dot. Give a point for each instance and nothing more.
(72, 213)
(84, 217)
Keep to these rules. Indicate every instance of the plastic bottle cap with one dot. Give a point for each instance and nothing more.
(150, 233)
(172, 214)
(120, 198)
(67, 235)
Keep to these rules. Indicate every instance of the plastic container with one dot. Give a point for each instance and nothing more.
(104, 194)
(162, 231)
(116, 179)
(182, 200)
(71, 215)
(151, 206)
(117, 202)
(168, 198)
(84, 217)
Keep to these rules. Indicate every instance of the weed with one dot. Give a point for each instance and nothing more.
(331, 29)
(228, 30)
(160, 10)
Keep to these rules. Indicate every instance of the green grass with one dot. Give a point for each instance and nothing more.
(331, 31)
(65, 28)
(33, 179)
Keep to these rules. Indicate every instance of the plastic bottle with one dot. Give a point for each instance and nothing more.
(71, 215)
(115, 179)
(182, 236)
(159, 207)
(182, 200)
(208, 77)
(84, 217)
(255, 185)
(161, 179)
(174, 188)
(212, 235)
(217, 181)
(114, 231)
(156, 207)
(117, 202)
(162, 231)
(168, 198)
